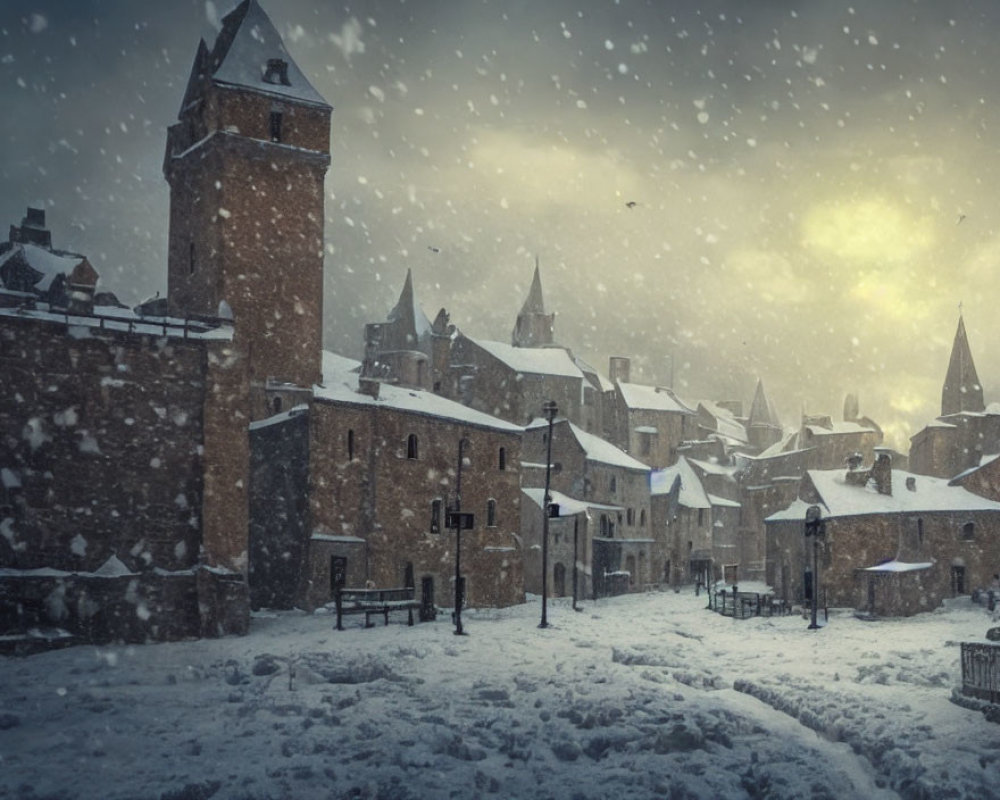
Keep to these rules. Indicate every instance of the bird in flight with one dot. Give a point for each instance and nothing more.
(960, 218)
(631, 204)
(434, 249)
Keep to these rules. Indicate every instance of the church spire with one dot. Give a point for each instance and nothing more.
(962, 390)
(763, 425)
(534, 327)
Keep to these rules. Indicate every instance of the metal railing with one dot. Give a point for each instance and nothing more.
(981, 671)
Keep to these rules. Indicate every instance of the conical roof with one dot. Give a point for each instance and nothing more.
(962, 390)
(408, 313)
(245, 46)
(534, 303)
(761, 410)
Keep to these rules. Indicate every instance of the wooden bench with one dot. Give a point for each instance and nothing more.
(375, 601)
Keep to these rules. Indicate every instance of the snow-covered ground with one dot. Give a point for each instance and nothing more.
(643, 696)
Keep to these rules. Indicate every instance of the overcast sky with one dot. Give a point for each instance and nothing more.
(813, 181)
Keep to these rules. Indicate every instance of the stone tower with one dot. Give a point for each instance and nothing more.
(962, 390)
(534, 328)
(245, 163)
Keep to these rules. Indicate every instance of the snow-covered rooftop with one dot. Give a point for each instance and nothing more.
(340, 384)
(532, 360)
(595, 448)
(652, 398)
(692, 493)
(568, 506)
(844, 500)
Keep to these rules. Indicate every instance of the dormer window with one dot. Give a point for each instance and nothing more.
(276, 72)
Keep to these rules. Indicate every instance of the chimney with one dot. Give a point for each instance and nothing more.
(368, 386)
(881, 474)
(618, 369)
(856, 476)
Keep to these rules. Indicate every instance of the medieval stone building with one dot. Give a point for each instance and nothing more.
(967, 430)
(895, 543)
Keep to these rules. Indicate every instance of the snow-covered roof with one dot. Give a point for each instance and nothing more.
(254, 43)
(48, 263)
(983, 461)
(532, 360)
(603, 383)
(596, 449)
(844, 500)
(340, 384)
(838, 429)
(712, 468)
(692, 494)
(568, 506)
(652, 398)
(723, 502)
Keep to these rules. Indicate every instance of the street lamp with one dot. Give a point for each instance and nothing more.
(457, 520)
(550, 409)
(815, 527)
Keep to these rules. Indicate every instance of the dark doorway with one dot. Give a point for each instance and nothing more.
(428, 611)
(559, 580)
(338, 574)
(957, 580)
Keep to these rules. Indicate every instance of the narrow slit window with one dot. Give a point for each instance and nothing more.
(411, 447)
(491, 513)
(275, 126)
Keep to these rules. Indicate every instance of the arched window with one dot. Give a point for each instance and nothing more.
(491, 513)
(411, 446)
(604, 524)
(350, 444)
(969, 531)
(642, 518)
(276, 404)
(502, 463)
(435, 516)
(613, 484)
(631, 516)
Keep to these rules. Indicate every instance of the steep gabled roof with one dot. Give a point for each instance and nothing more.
(532, 360)
(962, 390)
(692, 493)
(247, 42)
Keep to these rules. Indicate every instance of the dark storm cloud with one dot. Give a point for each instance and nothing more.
(797, 169)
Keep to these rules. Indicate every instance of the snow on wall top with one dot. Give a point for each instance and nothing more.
(254, 43)
(340, 384)
(568, 506)
(48, 263)
(112, 318)
(652, 398)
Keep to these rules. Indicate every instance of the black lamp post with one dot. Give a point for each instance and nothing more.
(815, 527)
(550, 409)
(456, 519)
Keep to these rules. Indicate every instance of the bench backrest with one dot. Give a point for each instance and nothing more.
(376, 595)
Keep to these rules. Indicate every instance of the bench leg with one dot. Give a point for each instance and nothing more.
(368, 622)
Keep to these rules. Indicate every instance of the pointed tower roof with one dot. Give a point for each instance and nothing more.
(962, 390)
(249, 54)
(761, 410)
(408, 314)
(533, 327)
(534, 303)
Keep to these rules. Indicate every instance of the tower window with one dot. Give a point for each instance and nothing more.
(503, 458)
(277, 72)
(491, 513)
(275, 126)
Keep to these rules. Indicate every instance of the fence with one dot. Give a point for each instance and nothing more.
(981, 671)
(742, 605)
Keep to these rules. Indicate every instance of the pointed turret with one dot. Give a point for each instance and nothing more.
(763, 425)
(534, 328)
(962, 390)
(399, 350)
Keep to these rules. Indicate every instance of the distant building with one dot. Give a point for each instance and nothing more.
(967, 429)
